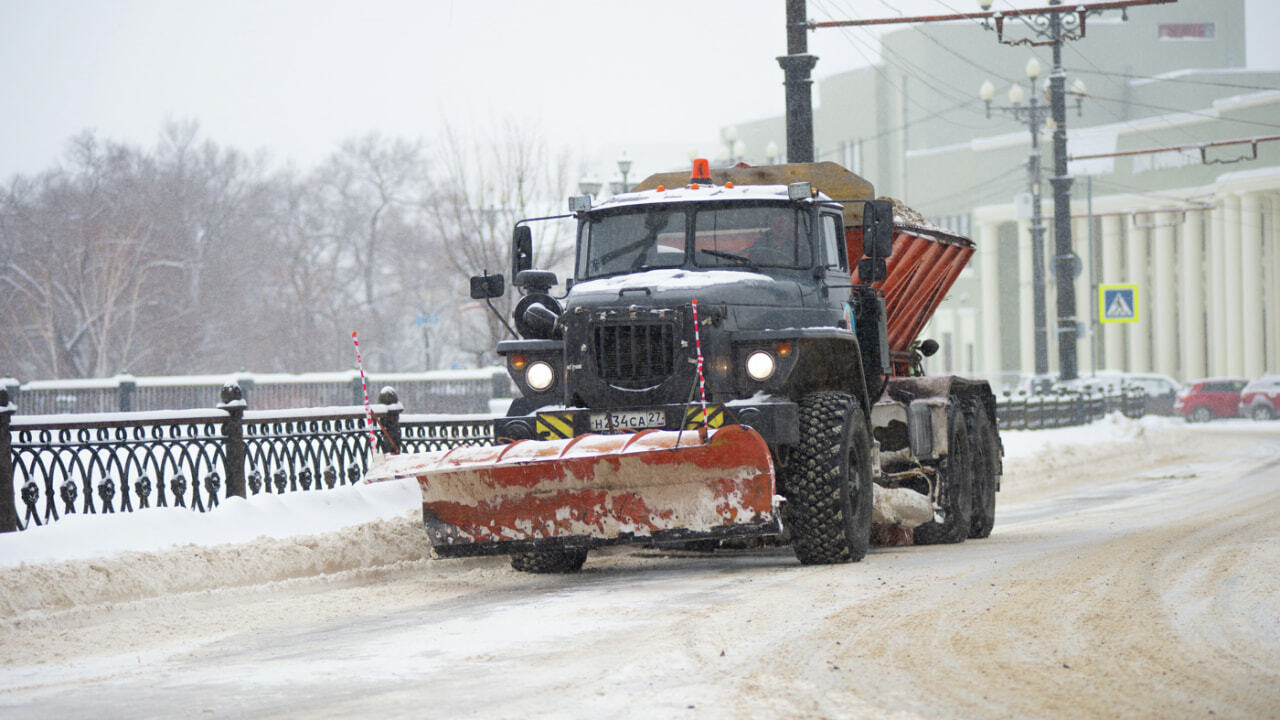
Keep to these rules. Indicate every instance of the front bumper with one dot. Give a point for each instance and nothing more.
(777, 420)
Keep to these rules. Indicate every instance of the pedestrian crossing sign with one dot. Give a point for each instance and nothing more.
(1117, 303)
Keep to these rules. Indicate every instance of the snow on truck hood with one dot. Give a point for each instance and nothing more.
(672, 279)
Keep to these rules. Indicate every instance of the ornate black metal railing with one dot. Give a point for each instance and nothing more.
(121, 462)
(1053, 410)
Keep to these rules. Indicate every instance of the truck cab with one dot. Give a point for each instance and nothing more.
(776, 314)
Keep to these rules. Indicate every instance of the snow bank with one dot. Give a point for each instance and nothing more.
(1115, 427)
(92, 559)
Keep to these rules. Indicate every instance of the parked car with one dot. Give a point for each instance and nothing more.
(1161, 390)
(1210, 398)
(1260, 399)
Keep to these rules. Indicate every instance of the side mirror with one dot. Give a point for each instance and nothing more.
(521, 249)
(487, 286)
(877, 229)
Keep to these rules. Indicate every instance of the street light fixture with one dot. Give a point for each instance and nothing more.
(590, 185)
(771, 152)
(731, 144)
(624, 167)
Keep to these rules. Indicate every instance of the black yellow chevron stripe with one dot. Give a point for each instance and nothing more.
(551, 426)
(693, 416)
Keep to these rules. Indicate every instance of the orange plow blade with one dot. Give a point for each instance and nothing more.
(592, 490)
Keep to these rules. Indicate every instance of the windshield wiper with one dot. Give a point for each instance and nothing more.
(741, 260)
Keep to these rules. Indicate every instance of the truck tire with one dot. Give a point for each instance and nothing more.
(984, 451)
(549, 561)
(956, 491)
(828, 479)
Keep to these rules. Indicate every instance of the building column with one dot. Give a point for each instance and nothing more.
(1273, 287)
(1112, 272)
(989, 276)
(1139, 332)
(1234, 363)
(1026, 302)
(1192, 306)
(1162, 303)
(1217, 298)
(1252, 355)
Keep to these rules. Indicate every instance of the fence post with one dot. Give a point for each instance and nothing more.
(8, 508)
(127, 384)
(233, 438)
(389, 439)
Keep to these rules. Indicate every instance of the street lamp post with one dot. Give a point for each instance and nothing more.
(734, 148)
(1064, 258)
(1060, 24)
(1065, 261)
(1034, 115)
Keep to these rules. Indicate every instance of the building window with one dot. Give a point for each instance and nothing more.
(1186, 31)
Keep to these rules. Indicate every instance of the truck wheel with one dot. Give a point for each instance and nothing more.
(549, 561)
(1261, 412)
(984, 450)
(828, 481)
(956, 491)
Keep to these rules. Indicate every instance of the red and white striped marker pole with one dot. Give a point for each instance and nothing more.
(702, 380)
(364, 385)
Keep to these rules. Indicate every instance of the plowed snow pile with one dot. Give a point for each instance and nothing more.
(88, 560)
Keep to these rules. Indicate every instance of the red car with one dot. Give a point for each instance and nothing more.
(1260, 399)
(1204, 400)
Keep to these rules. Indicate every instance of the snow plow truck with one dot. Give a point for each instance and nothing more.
(736, 356)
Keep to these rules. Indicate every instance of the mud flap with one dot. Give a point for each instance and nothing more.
(592, 490)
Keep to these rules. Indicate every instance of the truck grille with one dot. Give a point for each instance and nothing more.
(635, 356)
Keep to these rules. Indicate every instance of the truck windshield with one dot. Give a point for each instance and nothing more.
(631, 241)
(727, 236)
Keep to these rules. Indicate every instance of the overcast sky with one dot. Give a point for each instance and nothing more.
(295, 77)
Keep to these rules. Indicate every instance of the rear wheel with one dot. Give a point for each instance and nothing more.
(1261, 412)
(827, 479)
(549, 561)
(955, 494)
(984, 451)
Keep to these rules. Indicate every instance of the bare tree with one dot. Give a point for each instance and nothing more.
(490, 185)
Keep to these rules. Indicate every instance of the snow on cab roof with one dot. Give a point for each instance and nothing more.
(703, 192)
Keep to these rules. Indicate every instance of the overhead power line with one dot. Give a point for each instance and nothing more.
(1130, 76)
(1201, 147)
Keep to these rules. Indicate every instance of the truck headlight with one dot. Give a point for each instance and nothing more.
(540, 376)
(760, 365)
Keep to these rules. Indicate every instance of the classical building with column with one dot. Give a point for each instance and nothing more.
(1160, 204)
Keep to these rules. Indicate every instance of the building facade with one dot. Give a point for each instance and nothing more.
(1194, 226)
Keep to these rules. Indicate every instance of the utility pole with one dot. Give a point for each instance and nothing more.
(1061, 24)
(797, 66)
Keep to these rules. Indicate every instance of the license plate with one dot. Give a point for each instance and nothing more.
(627, 420)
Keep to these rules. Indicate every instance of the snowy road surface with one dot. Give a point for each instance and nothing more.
(1136, 578)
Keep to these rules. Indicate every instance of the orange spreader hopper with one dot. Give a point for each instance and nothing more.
(924, 265)
(591, 490)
